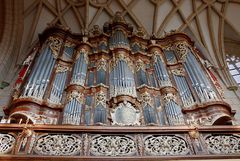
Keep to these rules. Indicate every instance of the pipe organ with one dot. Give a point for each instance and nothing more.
(116, 76)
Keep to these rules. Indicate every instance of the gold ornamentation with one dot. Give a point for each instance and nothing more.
(140, 32)
(55, 45)
(102, 64)
(77, 95)
(182, 49)
(179, 72)
(146, 98)
(69, 44)
(140, 65)
(194, 134)
(121, 56)
(101, 98)
(155, 53)
(61, 68)
(96, 30)
(168, 97)
(118, 18)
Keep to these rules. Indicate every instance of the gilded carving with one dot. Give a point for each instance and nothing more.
(101, 98)
(55, 45)
(168, 97)
(102, 64)
(125, 115)
(96, 30)
(7, 142)
(61, 68)
(182, 49)
(36, 118)
(58, 144)
(146, 99)
(140, 65)
(75, 95)
(223, 144)
(179, 72)
(104, 145)
(165, 145)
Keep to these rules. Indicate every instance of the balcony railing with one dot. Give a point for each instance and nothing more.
(56, 142)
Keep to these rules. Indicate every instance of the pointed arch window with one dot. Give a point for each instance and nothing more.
(233, 63)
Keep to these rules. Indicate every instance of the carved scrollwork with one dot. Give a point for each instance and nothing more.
(58, 145)
(101, 98)
(179, 72)
(168, 97)
(61, 68)
(7, 142)
(102, 64)
(165, 145)
(182, 49)
(121, 56)
(125, 115)
(55, 45)
(155, 54)
(36, 118)
(118, 18)
(146, 99)
(223, 144)
(96, 30)
(75, 94)
(140, 32)
(113, 146)
(140, 65)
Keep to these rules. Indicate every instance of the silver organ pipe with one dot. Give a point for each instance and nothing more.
(184, 91)
(58, 87)
(119, 39)
(161, 72)
(149, 115)
(72, 112)
(39, 77)
(122, 80)
(199, 80)
(173, 112)
(80, 70)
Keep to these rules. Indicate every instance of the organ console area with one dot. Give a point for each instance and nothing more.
(116, 76)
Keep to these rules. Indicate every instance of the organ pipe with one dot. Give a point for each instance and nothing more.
(118, 82)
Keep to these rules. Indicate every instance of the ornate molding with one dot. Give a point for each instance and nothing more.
(223, 144)
(125, 115)
(7, 143)
(102, 64)
(36, 118)
(140, 65)
(146, 99)
(58, 144)
(61, 68)
(179, 72)
(75, 95)
(168, 97)
(181, 49)
(55, 45)
(166, 145)
(102, 145)
(101, 98)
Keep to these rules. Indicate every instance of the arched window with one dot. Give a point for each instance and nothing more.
(233, 63)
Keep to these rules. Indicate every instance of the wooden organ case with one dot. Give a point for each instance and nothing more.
(113, 93)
